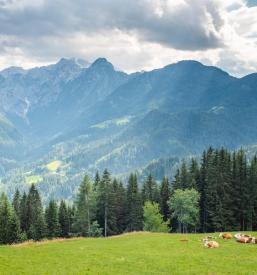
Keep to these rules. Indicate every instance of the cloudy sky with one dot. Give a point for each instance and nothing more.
(133, 35)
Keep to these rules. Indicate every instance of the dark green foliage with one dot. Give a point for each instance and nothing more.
(9, 222)
(120, 204)
(97, 181)
(106, 203)
(222, 187)
(35, 217)
(85, 208)
(164, 197)
(16, 202)
(52, 222)
(23, 213)
(150, 190)
(227, 184)
(134, 207)
(63, 219)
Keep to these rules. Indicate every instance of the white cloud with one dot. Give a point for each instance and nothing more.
(134, 35)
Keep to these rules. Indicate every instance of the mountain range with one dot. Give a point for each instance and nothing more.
(60, 121)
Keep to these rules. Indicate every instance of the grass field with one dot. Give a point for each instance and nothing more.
(136, 253)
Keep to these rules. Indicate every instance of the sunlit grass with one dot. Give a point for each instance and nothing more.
(137, 253)
(53, 166)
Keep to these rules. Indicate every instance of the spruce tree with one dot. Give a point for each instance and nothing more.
(96, 181)
(9, 222)
(35, 216)
(150, 190)
(106, 202)
(24, 213)
(63, 219)
(165, 193)
(134, 206)
(51, 218)
(16, 202)
(85, 208)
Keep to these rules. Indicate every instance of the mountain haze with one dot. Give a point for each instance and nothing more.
(84, 117)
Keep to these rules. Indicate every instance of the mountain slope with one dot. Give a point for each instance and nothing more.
(93, 117)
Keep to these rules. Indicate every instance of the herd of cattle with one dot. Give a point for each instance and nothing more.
(241, 238)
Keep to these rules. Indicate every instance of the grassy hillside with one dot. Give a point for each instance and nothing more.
(136, 253)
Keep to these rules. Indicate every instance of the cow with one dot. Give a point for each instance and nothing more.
(211, 244)
(225, 236)
(245, 240)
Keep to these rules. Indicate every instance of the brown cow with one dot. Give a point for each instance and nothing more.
(245, 240)
(211, 244)
(225, 236)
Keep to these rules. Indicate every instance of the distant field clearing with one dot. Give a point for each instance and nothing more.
(33, 179)
(54, 165)
(136, 253)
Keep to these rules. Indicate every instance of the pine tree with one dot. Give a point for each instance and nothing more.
(184, 176)
(14, 231)
(134, 207)
(16, 202)
(120, 200)
(106, 205)
(4, 219)
(63, 219)
(85, 208)
(9, 222)
(150, 190)
(24, 213)
(71, 216)
(165, 193)
(51, 218)
(96, 181)
(35, 217)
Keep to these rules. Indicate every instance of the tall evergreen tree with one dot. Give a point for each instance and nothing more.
(63, 219)
(51, 218)
(106, 202)
(134, 207)
(16, 202)
(96, 181)
(85, 207)
(120, 200)
(150, 191)
(24, 213)
(35, 216)
(9, 222)
(165, 193)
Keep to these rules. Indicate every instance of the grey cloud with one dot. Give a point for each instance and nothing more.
(195, 25)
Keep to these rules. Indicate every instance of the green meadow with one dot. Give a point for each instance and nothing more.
(135, 253)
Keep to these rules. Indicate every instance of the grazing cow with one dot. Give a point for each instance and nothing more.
(244, 240)
(225, 236)
(211, 244)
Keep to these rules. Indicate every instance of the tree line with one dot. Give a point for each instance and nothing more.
(103, 207)
(227, 184)
(216, 193)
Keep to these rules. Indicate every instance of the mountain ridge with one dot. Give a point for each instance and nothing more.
(93, 117)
